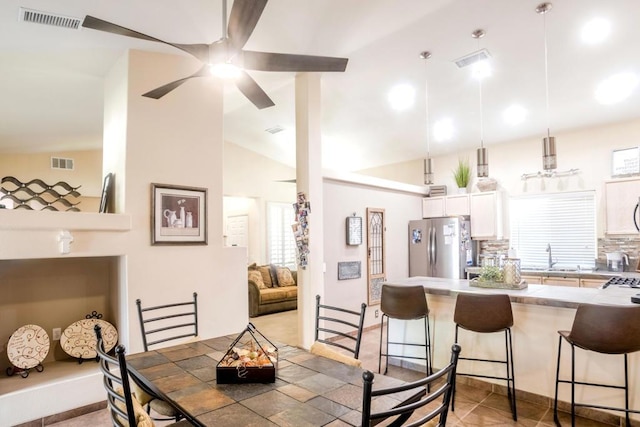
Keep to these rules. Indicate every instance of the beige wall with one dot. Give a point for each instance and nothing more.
(586, 149)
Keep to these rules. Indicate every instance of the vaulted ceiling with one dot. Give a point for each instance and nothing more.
(51, 78)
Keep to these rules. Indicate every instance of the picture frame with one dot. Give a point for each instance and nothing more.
(178, 215)
(625, 162)
(349, 270)
(105, 197)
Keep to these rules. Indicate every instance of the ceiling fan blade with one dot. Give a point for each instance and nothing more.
(268, 61)
(243, 19)
(253, 92)
(200, 51)
(161, 91)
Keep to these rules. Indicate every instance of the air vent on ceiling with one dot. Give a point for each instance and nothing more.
(46, 18)
(61, 163)
(472, 58)
(275, 129)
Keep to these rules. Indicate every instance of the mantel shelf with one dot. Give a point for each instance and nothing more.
(50, 220)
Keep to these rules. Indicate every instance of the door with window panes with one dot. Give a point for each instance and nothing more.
(376, 265)
(281, 244)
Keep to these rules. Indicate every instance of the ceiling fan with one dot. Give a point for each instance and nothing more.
(229, 51)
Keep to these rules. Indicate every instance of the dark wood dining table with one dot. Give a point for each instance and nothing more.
(309, 390)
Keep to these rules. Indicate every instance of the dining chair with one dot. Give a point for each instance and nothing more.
(124, 409)
(160, 324)
(341, 328)
(413, 395)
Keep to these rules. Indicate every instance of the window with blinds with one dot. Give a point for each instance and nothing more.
(281, 245)
(564, 222)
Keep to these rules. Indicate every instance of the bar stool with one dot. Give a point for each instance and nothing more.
(404, 303)
(483, 313)
(606, 329)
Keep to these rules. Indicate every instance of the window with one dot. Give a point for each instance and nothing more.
(564, 222)
(281, 245)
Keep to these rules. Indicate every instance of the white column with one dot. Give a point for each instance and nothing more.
(309, 181)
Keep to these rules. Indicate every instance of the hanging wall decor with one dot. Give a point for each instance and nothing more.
(38, 195)
(301, 229)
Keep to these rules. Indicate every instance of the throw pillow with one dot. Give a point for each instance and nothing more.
(274, 275)
(252, 266)
(266, 275)
(256, 277)
(284, 277)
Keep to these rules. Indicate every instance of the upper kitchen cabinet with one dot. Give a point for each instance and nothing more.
(437, 207)
(621, 199)
(486, 215)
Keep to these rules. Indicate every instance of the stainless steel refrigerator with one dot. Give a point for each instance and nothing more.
(440, 247)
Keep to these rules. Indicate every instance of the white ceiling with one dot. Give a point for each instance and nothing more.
(51, 78)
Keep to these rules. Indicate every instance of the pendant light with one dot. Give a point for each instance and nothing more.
(428, 163)
(482, 155)
(549, 161)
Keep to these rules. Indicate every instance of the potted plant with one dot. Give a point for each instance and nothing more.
(462, 174)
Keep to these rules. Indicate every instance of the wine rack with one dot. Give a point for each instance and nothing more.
(36, 194)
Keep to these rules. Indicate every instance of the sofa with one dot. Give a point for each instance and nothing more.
(271, 289)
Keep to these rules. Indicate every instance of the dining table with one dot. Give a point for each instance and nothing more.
(308, 390)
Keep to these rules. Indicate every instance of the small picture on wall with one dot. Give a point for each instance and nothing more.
(178, 215)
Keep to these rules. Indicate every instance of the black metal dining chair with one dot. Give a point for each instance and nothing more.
(160, 324)
(414, 395)
(340, 328)
(124, 409)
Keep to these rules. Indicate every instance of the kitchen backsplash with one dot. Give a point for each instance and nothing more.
(630, 245)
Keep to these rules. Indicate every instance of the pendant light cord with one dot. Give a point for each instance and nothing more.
(224, 19)
(426, 103)
(546, 70)
(481, 112)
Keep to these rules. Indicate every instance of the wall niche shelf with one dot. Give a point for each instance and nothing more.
(11, 219)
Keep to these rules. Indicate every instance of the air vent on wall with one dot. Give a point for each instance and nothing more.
(61, 163)
(275, 129)
(472, 58)
(46, 18)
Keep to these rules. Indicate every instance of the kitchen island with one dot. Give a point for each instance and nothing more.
(539, 311)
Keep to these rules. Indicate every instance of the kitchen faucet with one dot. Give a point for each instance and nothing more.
(551, 263)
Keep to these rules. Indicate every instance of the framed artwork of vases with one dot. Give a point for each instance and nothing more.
(178, 215)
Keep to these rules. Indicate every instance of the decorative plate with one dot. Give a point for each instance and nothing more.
(79, 339)
(28, 346)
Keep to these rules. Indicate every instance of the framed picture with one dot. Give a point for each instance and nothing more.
(349, 270)
(625, 162)
(106, 193)
(178, 215)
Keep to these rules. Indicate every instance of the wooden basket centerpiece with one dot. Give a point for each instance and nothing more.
(251, 358)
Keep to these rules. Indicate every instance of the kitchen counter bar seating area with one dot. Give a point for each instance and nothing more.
(539, 312)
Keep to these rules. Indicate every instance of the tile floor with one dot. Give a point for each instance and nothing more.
(474, 406)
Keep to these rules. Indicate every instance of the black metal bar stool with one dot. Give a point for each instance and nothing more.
(404, 303)
(487, 314)
(606, 329)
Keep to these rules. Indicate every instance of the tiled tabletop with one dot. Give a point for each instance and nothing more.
(308, 390)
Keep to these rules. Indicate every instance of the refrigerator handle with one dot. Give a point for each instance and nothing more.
(434, 254)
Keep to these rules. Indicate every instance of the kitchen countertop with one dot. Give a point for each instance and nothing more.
(587, 273)
(546, 295)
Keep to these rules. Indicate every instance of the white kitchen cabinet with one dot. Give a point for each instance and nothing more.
(433, 207)
(561, 281)
(437, 207)
(486, 215)
(456, 205)
(621, 198)
(592, 283)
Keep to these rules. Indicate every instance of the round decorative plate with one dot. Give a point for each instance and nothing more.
(28, 346)
(79, 339)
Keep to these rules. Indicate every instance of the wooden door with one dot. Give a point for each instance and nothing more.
(376, 263)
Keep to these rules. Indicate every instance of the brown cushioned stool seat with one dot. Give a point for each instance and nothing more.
(605, 329)
(404, 303)
(484, 313)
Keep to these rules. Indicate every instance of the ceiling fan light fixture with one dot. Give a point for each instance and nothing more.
(225, 70)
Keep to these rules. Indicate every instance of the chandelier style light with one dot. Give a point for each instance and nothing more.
(482, 155)
(428, 163)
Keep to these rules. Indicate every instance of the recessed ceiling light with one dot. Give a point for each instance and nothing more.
(616, 88)
(514, 114)
(402, 96)
(481, 69)
(596, 30)
(443, 130)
